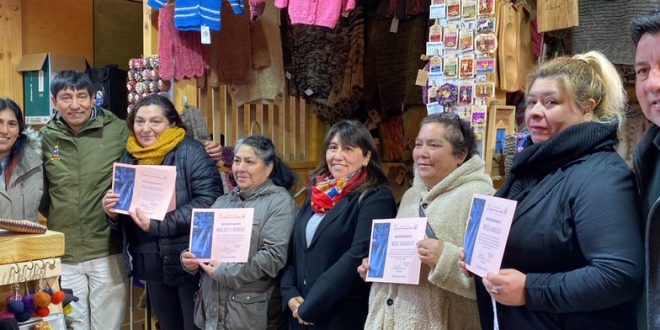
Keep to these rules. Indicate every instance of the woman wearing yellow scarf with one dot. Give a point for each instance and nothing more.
(152, 248)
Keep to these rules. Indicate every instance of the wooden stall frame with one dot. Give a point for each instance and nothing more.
(498, 117)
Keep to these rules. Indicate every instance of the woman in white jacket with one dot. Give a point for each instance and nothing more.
(448, 173)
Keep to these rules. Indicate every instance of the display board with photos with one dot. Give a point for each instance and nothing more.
(461, 51)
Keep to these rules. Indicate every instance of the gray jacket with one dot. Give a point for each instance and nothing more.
(246, 296)
(20, 200)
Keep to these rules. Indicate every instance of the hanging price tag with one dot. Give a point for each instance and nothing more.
(206, 35)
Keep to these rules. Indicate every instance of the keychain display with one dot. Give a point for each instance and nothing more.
(461, 64)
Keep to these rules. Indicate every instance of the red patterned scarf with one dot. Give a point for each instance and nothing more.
(328, 191)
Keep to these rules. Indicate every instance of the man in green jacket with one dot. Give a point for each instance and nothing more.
(79, 145)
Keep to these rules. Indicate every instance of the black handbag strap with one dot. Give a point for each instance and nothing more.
(429, 231)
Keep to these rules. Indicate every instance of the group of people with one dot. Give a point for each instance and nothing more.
(585, 237)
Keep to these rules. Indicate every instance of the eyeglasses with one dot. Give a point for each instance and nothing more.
(456, 117)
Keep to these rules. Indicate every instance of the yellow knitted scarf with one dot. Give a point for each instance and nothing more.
(155, 153)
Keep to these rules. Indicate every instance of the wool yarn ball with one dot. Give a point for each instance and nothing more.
(41, 299)
(16, 306)
(57, 297)
(67, 309)
(26, 315)
(42, 311)
(27, 301)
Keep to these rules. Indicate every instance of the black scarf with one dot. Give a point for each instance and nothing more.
(538, 160)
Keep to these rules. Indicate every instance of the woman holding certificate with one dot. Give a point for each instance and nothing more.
(21, 171)
(332, 233)
(152, 247)
(448, 172)
(246, 295)
(574, 257)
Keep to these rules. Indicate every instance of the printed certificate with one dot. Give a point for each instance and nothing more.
(150, 188)
(393, 256)
(221, 234)
(487, 231)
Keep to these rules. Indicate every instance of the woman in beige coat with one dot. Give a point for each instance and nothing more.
(448, 173)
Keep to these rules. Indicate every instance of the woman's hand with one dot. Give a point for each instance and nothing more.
(140, 219)
(109, 201)
(214, 149)
(294, 303)
(461, 264)
(363, 269)
(507, 286)
(189, 261)
(429, 251)
(209, 267)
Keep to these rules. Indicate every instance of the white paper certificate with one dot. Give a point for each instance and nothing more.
(393, 256)
(150, 188)
(487, 231)
(221, 234)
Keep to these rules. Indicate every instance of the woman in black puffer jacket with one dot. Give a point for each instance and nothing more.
(152, 247)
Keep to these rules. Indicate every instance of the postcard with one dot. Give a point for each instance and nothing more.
(221, 234)
(393, 256)
(150, 188)
(486, 234)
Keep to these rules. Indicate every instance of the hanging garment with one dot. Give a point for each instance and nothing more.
(604, 26)
(190, 15)
(230, 59)
(257, 8)
(402, 9)
(181, 53)
(195, 123)
(266, 77)
(316, 12)
(392, 61)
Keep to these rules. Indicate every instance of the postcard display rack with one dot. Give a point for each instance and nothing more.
(30, 264)
(461, 52)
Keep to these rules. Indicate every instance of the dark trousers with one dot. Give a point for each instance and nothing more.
(174, 305)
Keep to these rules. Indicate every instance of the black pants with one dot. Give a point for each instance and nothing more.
(174, 305)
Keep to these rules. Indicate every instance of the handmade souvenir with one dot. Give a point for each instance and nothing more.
(486, 8)
(466, 40)
(469, 9)
(453, 9)
(451, 37)
(435, 32)
(465, 91)
(438, 11)
(450, 67)
(447, 94)
(485, 66)
(435, 64)
(485, 25)
(466, 67)
(484, 90)
(433, 94)
(485, 43)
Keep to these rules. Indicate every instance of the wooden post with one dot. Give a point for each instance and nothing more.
(11, 50)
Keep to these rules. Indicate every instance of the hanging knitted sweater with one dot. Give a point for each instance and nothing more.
(191, 15)
(181, 53)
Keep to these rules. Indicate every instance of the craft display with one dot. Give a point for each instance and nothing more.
(460, 67)
(144, 79)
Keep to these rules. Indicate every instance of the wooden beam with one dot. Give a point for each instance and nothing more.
(149, 30)
(11, 50)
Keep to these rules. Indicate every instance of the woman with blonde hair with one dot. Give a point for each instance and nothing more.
(574, 257)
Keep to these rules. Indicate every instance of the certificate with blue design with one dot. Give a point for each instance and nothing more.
(393, 256)
(222, 235)
(486, 233)
(147, 187)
